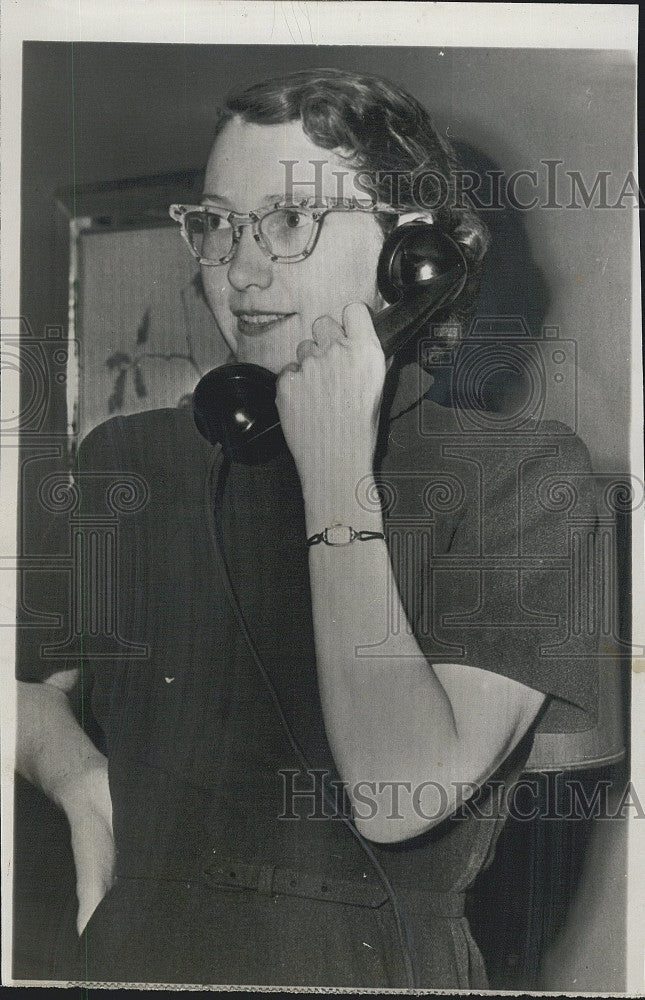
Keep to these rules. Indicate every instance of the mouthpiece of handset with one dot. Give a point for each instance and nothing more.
(234, 406)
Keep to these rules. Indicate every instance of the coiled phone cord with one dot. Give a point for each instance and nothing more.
(218, 545)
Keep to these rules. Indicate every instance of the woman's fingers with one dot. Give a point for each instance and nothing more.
(90, 895)
(327, 331)
(358, 324)
(358, 333)
(90, 819)
(94, 861)
(332, 398)
(307, 349)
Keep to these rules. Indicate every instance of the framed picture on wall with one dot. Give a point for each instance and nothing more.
(143, 329)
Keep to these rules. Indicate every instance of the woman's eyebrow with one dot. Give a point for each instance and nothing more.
(216, 197)
(268, 199)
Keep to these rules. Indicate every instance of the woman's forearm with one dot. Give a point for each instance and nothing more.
(391, 718)
(384, 708)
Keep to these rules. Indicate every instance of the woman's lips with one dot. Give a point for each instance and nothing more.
(254, 324)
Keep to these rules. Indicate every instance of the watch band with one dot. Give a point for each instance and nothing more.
(342, 534)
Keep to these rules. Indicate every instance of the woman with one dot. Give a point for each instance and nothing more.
(284, 661)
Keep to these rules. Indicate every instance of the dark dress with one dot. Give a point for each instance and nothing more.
(222, 876)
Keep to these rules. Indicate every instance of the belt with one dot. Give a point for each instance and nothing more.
(271, 880)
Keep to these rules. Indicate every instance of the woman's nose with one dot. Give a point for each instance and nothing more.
(250, 266)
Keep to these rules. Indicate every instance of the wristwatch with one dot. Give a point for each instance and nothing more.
(342, 534)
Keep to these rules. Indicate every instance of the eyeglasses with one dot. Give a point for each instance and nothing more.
(286, 231)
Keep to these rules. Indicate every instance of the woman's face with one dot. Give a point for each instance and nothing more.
(265, 308)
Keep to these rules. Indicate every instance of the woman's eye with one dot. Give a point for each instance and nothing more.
(215, 222)
(293, 219)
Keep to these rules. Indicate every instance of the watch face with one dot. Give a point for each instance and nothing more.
(338, 534)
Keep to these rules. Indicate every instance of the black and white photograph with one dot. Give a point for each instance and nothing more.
(322, 525)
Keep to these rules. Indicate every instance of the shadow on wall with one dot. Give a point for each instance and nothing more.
(513, 302)
(512, 283)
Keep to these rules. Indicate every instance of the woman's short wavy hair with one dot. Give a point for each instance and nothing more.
(376, 127)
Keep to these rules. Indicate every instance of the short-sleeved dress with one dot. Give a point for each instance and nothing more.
(232, 865)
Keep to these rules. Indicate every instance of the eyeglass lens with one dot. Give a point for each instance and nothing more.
(285, 231)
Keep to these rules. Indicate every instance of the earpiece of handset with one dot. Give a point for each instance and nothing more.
(420, 270)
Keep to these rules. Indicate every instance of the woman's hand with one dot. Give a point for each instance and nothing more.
(329, 406)
(56, 755)
(88, 807)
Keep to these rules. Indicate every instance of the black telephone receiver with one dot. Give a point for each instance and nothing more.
(420, 270)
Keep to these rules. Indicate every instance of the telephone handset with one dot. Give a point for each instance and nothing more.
(420, 270)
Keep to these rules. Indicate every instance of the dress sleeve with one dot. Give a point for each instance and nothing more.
(507, 572)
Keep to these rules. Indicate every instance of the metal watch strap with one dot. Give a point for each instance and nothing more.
(342, 534)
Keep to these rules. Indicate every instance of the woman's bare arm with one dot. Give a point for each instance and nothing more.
(391, 719)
